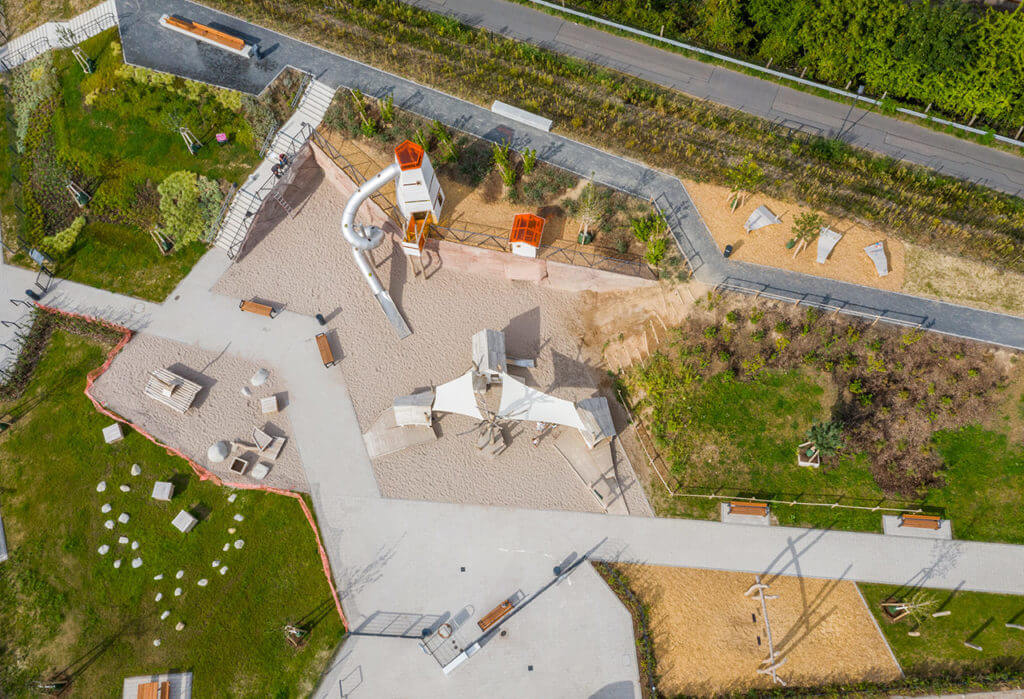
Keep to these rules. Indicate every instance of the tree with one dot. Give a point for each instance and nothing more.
(743, 178)
(806, 227)
(826, 438)
(189, 204)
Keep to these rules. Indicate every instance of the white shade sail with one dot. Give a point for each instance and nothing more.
(457, 396)
(520, 402)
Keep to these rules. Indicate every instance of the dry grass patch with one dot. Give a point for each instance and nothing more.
(25, 15)
(706, 631)
(958, 280)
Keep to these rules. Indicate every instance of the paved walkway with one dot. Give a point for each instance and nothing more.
(145, 43)
(791, 108)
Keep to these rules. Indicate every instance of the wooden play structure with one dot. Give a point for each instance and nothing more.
(920, 521)
(526, 234)
(208, 35)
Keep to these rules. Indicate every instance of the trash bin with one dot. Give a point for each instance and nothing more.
(33, 295)
(727, 251)
(320, 319)
(585, 238)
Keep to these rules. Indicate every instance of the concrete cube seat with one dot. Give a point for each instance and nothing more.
(163, 490)
(184, 522)
(113, 433)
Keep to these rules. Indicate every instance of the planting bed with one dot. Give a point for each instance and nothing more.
(114, 133)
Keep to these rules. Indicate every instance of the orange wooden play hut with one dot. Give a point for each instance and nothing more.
(527, 231)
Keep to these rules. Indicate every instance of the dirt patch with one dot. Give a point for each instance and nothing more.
(955, 279)
(706, 632)
(767, 246)
(220, 411)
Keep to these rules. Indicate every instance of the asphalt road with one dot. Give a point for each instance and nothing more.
(795, 109)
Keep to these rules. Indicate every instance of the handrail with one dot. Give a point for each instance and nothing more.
(211, 233)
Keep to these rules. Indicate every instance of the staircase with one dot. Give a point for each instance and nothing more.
(289, 140)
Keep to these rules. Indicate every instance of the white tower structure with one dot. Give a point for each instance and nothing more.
(419, 195)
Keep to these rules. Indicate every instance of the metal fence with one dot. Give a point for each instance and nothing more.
(66, 37)
(759, 290)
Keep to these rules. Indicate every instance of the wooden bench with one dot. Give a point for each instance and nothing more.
(492, 617)
(920, 521)
(232, 42)
(258, 308)
(326, 353)
(741, 507)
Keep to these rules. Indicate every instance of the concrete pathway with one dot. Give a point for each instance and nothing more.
(146, 43)
(791, 108)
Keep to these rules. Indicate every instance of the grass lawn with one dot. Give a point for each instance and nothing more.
(116, 136)
(746, 433)
(977, 617)
(65, 607)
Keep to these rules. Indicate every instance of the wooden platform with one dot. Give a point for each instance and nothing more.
(182, 392)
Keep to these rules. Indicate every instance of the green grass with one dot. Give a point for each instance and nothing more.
(940, 648)
(62, 603)
(123, 145)
(742, 437)
(741, 440)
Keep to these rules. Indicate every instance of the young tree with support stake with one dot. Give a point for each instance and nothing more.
(744, 178)
(806, 228)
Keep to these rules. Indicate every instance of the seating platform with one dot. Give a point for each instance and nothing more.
(177, 393)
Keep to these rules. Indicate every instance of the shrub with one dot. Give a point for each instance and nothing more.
(189, 204)
(529, 160)
(826, 437)
(60, 244)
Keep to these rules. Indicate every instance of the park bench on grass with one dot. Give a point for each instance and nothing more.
(257, 308)
(492, 617)
(326, 353)
(740, 507)
(154, 690)
(920, 521)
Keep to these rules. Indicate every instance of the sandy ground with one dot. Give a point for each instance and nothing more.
(706, 632)
(219, 411)
(304, 265)
(767, 246)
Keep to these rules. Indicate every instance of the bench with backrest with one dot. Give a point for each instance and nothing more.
(326, 353)
(741, 507)
(257, 308)
(919, 521)
(494, 616)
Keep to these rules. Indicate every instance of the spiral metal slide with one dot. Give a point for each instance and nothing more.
(364, 238)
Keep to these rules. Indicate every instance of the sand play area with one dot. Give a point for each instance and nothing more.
(220, 411)
(767, 246)
(304, 264)
(706, 631)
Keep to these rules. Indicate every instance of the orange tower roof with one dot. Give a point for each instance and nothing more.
(527, 228)
(409, 155)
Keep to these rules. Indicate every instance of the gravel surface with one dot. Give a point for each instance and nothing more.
(305, 265)
(220, 411)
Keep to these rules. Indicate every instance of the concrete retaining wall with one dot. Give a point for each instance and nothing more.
(469, 258)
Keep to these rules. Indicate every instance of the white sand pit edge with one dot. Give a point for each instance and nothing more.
(220, 411)
(305, 265)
